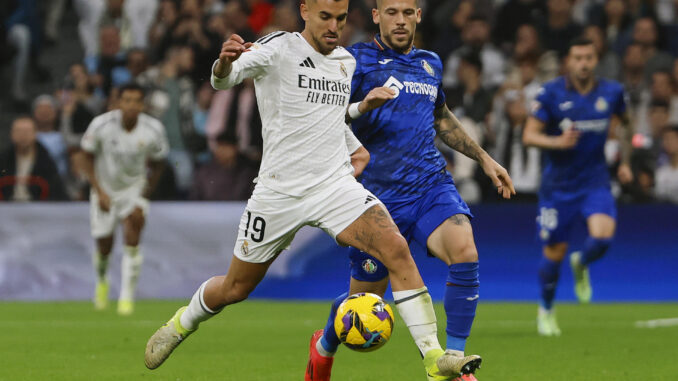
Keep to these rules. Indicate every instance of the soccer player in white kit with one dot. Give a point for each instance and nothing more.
(303, 84)
(121, 146)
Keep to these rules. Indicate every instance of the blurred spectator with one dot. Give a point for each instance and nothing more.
(132, 18)
(109, 58)
(166, 18)
(233, 116)
(527, 48)
(558, 28)
(615, 22)
(55, 11)
(45, 116)
(451, 23)
(609, 64)
(513, 14)
(136, 63)
(24, 35)
(79, 105)
(228, 176)
(522, 163)
(27, 173)
(468, 98)
(666, 179)
(476, 38)
(645, 33)
(170, 98)
(200, 114)
(632, 76)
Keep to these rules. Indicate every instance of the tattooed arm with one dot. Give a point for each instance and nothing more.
(450, 131)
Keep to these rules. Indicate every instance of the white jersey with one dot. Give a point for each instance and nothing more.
(121, 155)
(302, 97)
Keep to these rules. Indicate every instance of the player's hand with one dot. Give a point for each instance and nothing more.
(624, 173)
(104, 201)
(375, 98)
(568, 139)
(232, 49)
(499, 176)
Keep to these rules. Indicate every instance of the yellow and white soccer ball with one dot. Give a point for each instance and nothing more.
(364, 322)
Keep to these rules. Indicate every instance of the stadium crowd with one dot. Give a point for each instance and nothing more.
(496, 54)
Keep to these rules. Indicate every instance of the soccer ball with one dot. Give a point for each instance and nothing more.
(364, 322)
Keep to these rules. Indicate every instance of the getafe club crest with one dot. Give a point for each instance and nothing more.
(601, 104)
(342, 68)
(428, 68)
(369, 266)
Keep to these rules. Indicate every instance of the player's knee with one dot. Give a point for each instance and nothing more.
(465, 252)
(395, 252)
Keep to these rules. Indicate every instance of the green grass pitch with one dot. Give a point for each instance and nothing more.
(263, 340)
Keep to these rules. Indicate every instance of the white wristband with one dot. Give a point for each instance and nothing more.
(353, 111)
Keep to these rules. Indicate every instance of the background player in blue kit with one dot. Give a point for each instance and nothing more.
(570, 121)
(408, 175)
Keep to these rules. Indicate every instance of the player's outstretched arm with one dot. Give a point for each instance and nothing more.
(450, 131)
(230, 51)
(374, 99)
(534, 136)
(624, 172)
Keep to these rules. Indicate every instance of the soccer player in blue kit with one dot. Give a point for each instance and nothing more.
(408, 175)
(570, 121)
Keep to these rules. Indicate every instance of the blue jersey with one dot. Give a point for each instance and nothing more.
(399, 135)
(583, 168)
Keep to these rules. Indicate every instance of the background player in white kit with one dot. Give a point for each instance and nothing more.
(121, 146)
(303, 84)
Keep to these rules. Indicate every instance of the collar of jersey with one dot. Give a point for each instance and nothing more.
(383, 47)
(570, 86)
(312, 49)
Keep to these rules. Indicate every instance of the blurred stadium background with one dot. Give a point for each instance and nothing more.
(62, 60)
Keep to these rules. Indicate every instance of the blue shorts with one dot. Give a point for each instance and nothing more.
(558, 215)
(417, 219)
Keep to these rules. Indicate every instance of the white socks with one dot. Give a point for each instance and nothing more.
(131, 266)
(416, 309)
(197, 311)
(100, 263)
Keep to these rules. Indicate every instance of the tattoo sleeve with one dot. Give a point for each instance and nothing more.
(450, 131)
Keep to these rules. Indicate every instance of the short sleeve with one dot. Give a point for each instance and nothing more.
(540, 108)
(441, 99)
(160, 147)
(91, 140)
(620, 102)
(351, 141)
(254, 63)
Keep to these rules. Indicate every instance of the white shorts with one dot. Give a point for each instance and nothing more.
(271, 219)
(102, 224)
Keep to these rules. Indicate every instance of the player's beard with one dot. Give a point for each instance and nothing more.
(398, 46)
(325, 48)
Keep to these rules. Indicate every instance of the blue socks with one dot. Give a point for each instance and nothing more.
(549, 272)
(330, 341)
(461, 300)
(594, 249)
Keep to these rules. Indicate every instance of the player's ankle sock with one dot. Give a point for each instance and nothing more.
(131, 266)
(594, 249)
(100, 263)
(461, 300)
(329, 343)
(416, 309)
(197, 311)
(549, 272)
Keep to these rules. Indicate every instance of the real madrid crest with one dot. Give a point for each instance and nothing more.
(428, 68)
(342, 68)
(601, 104)
(244, 249)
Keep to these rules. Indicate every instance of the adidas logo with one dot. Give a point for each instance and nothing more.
(369, 199)
(307, 63)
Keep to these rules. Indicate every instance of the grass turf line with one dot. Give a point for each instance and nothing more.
(263, 340)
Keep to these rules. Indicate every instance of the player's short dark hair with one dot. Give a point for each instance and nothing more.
(670, 128)
(580, 41)
(132, 86)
